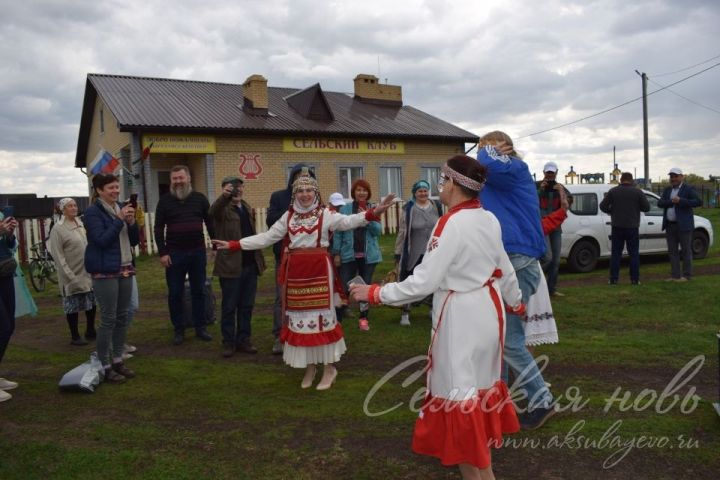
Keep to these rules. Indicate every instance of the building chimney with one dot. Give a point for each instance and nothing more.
(255, 93)
(369, 90)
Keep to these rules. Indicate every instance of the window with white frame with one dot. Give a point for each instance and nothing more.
(390, 181)
(347, 176)
(311, 168)
(432, 175)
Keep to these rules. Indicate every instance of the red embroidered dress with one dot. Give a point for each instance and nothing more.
(466, 268)
(311, 333)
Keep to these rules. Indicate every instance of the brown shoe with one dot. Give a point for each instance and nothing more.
(111, 376)
(246, 347)
(123, 370)
(228, 350)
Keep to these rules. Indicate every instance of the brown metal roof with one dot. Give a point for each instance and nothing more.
(141, 103)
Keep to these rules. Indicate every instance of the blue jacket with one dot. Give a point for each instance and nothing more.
(343, 242)
(102, 254)
(684, 209)
(510, 195)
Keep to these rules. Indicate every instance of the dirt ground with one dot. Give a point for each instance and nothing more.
(510, 462)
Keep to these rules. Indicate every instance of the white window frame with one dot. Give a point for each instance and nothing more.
(290, 167)
(426, 172)
(345, 189)
(384, 171)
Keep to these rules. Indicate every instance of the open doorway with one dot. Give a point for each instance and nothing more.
(163, 182)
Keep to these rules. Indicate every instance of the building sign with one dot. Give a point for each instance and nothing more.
(179, 143)
(343, 145)
(250, 167)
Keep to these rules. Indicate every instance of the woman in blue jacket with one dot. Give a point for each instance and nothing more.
(359, 249)
(111, 234)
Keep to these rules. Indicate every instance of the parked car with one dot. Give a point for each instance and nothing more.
(586, 231)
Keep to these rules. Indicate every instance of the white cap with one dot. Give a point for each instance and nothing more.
(550, 167)
(337, 199)
(675, 171)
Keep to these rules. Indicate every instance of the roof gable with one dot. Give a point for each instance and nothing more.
(311, 104)
(185, 106)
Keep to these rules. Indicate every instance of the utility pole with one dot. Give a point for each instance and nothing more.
(645, 128)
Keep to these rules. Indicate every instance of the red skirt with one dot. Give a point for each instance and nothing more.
(463, 431)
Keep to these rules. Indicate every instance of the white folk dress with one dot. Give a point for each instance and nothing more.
(540, 326)
(469, 273)
(311, 332)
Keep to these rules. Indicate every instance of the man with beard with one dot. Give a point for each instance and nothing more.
(179, 236)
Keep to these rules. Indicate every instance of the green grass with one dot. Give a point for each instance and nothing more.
(192, 414)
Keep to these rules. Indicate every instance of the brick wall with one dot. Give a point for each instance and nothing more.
(275, 164)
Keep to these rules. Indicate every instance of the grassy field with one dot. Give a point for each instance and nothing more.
(192, 414)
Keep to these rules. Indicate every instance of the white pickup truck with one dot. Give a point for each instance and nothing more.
(586, 231)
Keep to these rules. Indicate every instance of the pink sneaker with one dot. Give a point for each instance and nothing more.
(364, 324)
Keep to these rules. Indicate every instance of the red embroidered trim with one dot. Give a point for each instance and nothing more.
(234, 245)
(473, 203)
(374, 294)
(370, 216)
(311, 339)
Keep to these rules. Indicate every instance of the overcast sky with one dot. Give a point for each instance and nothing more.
(517, 66)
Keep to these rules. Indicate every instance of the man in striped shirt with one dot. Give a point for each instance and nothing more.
(179, 219)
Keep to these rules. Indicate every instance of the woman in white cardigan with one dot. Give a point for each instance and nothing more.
(67, 246)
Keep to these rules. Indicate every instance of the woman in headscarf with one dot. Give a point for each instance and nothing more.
(311, 333)
(68, 241)
(417, 220)
(467, 407)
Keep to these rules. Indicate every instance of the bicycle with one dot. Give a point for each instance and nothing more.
(42, 267)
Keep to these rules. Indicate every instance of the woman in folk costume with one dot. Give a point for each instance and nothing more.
(540, 327)
(467, 407)
(311, 333)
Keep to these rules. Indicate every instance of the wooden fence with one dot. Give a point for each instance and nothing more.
(36, 230)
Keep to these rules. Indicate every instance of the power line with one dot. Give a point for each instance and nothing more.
(685, 98)
(687, 68)
(618, 106)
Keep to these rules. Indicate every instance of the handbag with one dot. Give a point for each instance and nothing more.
(7, 267)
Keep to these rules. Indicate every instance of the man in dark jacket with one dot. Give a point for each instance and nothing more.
(678, 201)
(182, 249)
(238, 271)
(624, 204)
(279, 204)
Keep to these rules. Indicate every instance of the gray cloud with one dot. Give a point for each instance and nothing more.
(521, 66)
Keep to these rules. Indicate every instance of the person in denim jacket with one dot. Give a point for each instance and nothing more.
(359, 249)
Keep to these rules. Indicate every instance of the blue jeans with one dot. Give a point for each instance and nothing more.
(515, 354)
(675, 238)
(621, 237)
(551, 267)
(238, 299)
(357, 267)
(113, 299)
(191, 263)
(7, 311)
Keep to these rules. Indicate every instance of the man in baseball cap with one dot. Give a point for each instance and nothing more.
(551, 197)
(678, 201)
(238, 271)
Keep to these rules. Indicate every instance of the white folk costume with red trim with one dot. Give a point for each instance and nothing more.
(311, 332)
(470, 276)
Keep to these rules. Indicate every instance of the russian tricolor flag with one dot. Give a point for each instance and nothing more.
(104, 163)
